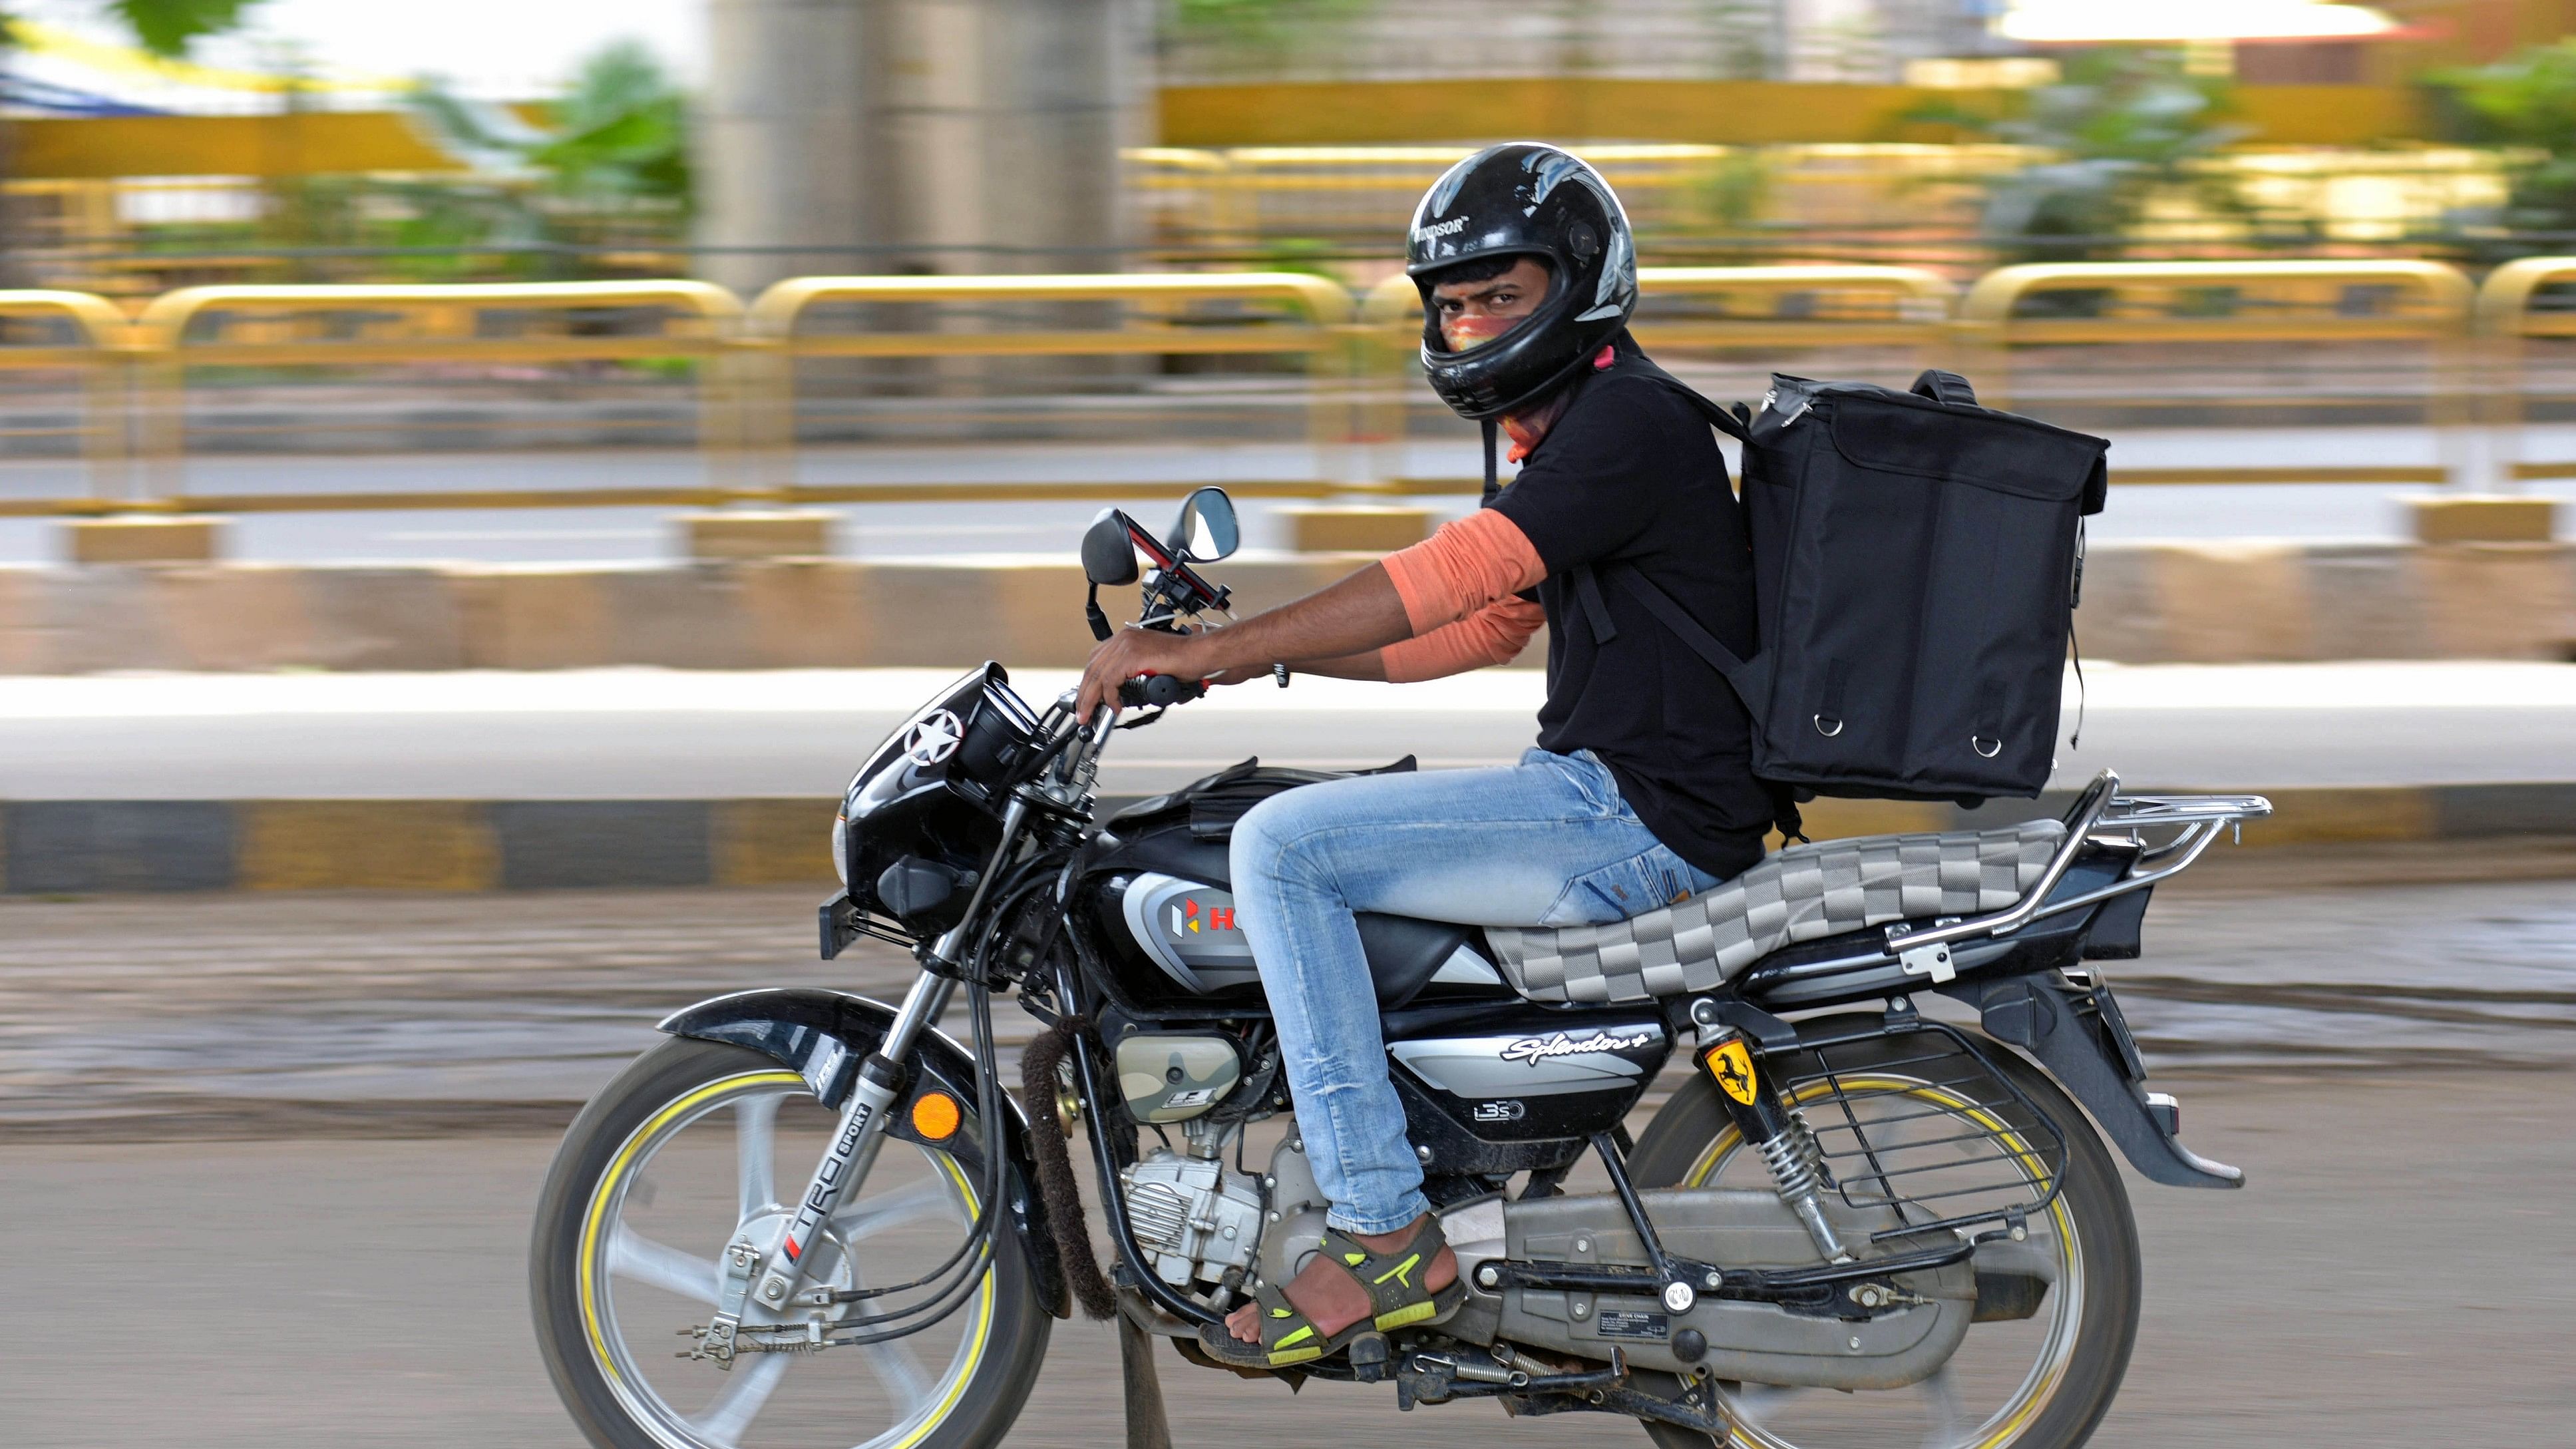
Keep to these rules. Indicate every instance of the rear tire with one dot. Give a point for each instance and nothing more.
(600, 1365)
(1693, 1128)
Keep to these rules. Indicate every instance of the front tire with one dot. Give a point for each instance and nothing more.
(696, 1142)
(2075, 1343)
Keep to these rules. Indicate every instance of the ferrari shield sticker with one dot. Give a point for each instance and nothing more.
(1732, 1065)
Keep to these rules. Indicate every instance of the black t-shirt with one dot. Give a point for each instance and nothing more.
(1631, 476)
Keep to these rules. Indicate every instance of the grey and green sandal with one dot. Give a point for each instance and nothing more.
(1397, 1299)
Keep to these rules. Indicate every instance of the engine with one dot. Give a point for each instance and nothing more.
(1193, 1218)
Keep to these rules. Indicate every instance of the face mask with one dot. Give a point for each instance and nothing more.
(1466, 334)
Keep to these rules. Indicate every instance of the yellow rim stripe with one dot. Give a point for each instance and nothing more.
(624, 1162)
(1727, 1139)
(983, 1323)
(618, 1167)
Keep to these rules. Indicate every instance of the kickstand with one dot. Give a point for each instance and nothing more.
(1147, 1428)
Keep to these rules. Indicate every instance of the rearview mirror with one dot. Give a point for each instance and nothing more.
(1108, 557)
(1207, 529)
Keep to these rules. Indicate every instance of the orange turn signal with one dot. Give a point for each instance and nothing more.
(935, 1116)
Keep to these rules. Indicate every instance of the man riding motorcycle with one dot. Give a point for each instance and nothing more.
(1640, 791)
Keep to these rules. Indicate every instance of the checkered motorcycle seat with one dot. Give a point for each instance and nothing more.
(1804, 893)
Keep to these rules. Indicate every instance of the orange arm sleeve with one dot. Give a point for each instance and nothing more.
(1472, 562)
(1495, 634)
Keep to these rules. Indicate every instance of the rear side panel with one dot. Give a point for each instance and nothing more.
(1504, 1088)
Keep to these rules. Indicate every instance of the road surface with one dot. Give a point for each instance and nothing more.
(267, 1165)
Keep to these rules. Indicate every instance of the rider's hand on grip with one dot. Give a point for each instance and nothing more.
(1158, 690)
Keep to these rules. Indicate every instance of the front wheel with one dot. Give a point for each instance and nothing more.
(2040, 1366)
(696, 1143)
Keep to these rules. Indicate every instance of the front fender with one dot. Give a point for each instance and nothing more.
(824, 1035)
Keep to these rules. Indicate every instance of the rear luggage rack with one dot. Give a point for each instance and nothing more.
(1892, 1134)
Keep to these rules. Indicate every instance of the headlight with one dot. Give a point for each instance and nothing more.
(841, 849)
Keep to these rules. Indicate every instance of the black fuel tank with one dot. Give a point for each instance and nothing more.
(1175, 940)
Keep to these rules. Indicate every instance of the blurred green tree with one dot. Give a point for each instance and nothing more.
(604, 164)
(1258, 20)
(1256, 35)
(2123, 126)
(619, 132)
(2526, 102)
(167, 27)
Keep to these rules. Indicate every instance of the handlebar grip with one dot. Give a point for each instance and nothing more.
(1159, 690)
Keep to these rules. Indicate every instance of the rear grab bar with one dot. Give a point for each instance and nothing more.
(2100, 814)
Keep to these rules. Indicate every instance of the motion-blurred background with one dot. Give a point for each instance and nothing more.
(474, 479)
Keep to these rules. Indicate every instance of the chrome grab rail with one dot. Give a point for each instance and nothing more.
(2100, 807)
(2088, 809)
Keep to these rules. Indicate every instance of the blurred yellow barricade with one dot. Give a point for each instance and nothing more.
(477, 323)
(1250, 313)
(2184, 303)
(2520, 302)
(731, 384)
(74, 331)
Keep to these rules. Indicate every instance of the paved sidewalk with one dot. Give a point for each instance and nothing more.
(681, 734)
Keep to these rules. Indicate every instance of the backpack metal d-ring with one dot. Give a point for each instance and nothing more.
(1837, 728)
(1978, 744)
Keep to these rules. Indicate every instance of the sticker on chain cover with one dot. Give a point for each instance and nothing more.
(1624, 1324)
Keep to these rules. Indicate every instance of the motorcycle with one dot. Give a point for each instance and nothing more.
(1870, 1209)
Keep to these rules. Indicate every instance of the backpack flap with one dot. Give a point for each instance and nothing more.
(1895, 434)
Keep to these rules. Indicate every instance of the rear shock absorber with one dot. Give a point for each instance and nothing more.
(1775, 1130)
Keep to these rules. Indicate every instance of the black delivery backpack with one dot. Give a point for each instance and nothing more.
(1917, 560)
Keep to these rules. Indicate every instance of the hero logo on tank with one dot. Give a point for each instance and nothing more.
(1189, 919)
(1536, 1049)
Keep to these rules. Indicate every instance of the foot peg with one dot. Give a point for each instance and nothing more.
(1368, 1358)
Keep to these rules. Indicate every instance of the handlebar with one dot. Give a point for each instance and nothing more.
(1158, 690)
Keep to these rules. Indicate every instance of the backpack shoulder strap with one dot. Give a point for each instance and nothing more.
(1740, 674)
(1719, 417)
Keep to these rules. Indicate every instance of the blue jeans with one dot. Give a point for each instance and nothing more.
(1546, 842)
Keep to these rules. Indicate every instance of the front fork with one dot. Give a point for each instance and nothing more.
(855, 1144)
(771, 1271)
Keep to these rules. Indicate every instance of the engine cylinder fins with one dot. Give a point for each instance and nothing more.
(1160, 1216)
(1195, 1219)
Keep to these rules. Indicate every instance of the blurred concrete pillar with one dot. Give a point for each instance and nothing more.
(996, 127)
(960, 135)
(779, 139)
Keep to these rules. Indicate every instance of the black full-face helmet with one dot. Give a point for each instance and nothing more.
(1524, 199)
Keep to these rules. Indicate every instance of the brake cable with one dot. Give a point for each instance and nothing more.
(978, 1240)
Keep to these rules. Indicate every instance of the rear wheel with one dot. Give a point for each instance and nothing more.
(2038, 1381)
(698, 1142)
